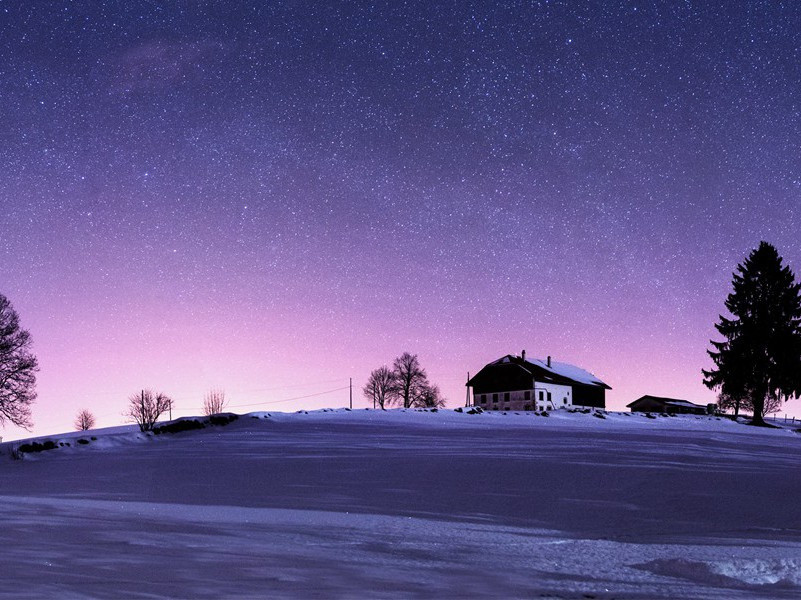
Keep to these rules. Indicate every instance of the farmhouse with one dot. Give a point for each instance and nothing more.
(514, 383)
(666, 405)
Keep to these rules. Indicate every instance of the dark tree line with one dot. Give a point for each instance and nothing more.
(406, 384)
(758, 362)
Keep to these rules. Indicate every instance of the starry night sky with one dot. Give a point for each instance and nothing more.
(272, 197)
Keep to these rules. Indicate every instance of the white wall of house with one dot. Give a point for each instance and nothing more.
(561, 396)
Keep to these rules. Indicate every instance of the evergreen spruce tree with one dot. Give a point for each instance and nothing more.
(759, 358)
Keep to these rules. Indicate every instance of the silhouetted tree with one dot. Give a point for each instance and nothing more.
(146, 407)
(409, 378)
(736, 403)
(430, 397)
(760, 355)
(412, 388)
(214, 402)
(18, 368)
(380, 387)
(85, 420)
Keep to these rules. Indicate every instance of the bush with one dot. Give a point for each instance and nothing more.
(38, 447)
(599, 415)
(83, 441)
(178, 426)
(223, 419)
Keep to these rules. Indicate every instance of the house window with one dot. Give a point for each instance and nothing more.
(527, 395)
(495, 397)
(506, 397)
(542, 396)
(549, 397)
(564, 400)
(483, 398)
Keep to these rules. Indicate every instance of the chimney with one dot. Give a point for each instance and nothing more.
(523, 355)
(549, 362)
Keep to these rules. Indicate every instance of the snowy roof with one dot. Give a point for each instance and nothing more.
(560, 369)
(670, 401)
(570, 371)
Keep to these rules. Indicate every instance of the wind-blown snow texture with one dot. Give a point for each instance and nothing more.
(410, 504)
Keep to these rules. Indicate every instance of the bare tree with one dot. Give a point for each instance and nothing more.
(430, 397)
(18, 368)
(411, 386)
(214, 402)
(736, 402)
(409, 377)
(773, 404)
(380, 387)
(742, 402)
(146, 407)
(85, 420)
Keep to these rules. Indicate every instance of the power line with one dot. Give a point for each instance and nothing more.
(193, 408)
(248, 391)
(275, 401)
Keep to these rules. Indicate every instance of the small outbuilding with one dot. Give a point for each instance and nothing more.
(666, 405)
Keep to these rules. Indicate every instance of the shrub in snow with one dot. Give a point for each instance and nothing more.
(458, 409)
(224, 419)
(599, 415)
(37, 447)
(544, 413)
(177, 426)
(83, 441)
(650, 416)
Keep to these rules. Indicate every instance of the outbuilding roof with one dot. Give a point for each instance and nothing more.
(670, 401)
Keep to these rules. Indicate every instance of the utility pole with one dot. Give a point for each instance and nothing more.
(351, 392)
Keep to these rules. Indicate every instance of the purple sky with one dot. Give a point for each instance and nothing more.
(274, 199)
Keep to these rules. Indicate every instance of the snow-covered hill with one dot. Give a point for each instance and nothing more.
(408, 503)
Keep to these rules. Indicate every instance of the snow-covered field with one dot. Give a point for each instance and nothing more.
(370, 504)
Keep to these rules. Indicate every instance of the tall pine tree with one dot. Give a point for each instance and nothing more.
(759, 358)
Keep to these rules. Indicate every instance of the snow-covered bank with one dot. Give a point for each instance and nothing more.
(371, 503)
